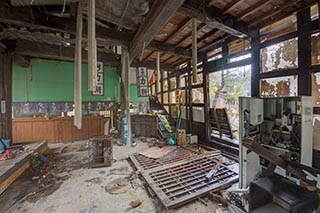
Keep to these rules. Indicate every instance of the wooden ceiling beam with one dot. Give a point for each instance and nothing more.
(167, 59)
(55, 52)
(279, 13)
(152, 65)
(28, 18)
(185, 23)
(170, 49)
(148, 56)
(200, 26)
(253, 8)
(204, 37)
(158, 16)
(232, 5)
(215, 17)
(212, 45)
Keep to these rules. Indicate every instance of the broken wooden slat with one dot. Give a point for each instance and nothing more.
(213, 171)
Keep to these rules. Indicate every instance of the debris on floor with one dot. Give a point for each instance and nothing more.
(156, 152)
(182, 175)
(135, 204)
(118, 186)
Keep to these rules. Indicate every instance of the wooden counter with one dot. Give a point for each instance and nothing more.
(60, 129)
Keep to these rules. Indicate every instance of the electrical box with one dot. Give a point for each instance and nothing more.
(282, 125)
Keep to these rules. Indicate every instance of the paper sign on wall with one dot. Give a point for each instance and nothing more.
(142, 82)
(99, 80)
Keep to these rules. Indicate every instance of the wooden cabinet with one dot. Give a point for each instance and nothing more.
(55, 129)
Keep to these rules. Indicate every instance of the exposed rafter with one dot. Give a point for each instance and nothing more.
(232, 5)
(200, 26)
(253, 8)
(170, 49)
(157, 17)
(152, 65)
(28, 18)
(226, 23)
(49, 51)
(178, 30)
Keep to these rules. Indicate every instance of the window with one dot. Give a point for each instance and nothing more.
(314, 12)
(159, 98)
(165, 98)
(316, 89)
(198, 114)
(238, 45)
(279, 28)
(315, 49)
(173, 97)
(197, 95)
(182, 81)
(165, 85)
(279, 87)
(173, 83)
(239, 58)
(225, 88)
(199, 79)
(283, 55)
(153, 89)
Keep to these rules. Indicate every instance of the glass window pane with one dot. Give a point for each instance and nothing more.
(199, 79)
(279, 87)
(316, 89)
(238, 45)
(165, 98)
(165, 85)
(198, 114)
(173, 83)
(283, 55)
(159, 86)
(314, 12)
(164, 74)
(159, 98)
(197, 95)
(153, 89)
(182, 81)
(166, 108)
(173, 97)
(315, 48)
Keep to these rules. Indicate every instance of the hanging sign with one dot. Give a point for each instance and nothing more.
(142, 82)
(98, 80)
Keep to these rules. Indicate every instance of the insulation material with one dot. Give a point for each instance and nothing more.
(77, 72)
(279, 87)
(283, 55)
(92, 47)
(316, 89)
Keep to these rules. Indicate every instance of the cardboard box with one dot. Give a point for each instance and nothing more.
(181, 137)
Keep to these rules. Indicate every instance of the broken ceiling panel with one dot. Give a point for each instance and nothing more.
(280, 56)
(279, 87)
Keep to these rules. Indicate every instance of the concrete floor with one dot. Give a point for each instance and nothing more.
(82, 189)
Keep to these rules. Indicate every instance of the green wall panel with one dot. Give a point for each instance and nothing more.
(134, 95)
(48, 80)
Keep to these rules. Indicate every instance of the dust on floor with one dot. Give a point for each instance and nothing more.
(66, 184)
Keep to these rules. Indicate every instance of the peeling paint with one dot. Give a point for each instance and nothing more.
(279, 87)
(283, 55)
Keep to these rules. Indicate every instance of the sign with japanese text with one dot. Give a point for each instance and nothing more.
(99, 80)
(142, 82)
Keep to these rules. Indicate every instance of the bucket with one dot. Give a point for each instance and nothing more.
(7, 142)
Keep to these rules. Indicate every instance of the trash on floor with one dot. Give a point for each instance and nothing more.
(118, 186)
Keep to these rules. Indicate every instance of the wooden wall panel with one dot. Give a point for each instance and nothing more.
(56, 129)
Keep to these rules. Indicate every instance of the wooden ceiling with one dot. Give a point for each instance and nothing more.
(143, 26)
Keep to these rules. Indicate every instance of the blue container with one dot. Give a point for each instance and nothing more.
(7, 142)
(124, 129)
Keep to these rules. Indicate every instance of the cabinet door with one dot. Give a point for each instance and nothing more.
(44, 130)
(64, 130)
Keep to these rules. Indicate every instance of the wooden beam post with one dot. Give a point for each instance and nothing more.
(255, 64)
(158, 16)
(194, 50)
(6, 95)
(78, 72)
(206, 88)
(304, 54)
(92, 45)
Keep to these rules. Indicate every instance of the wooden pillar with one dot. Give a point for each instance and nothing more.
(189, 101)
(304, 54)
(205, 75)
(255, 63)
(6, 95)
(161, 87)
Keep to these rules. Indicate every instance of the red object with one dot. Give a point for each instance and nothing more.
(153, 78)
(6, 155)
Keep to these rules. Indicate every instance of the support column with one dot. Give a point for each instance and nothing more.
(189, 101)
(6, 96)
(206, 88)
(304, 54)
(255, 63)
